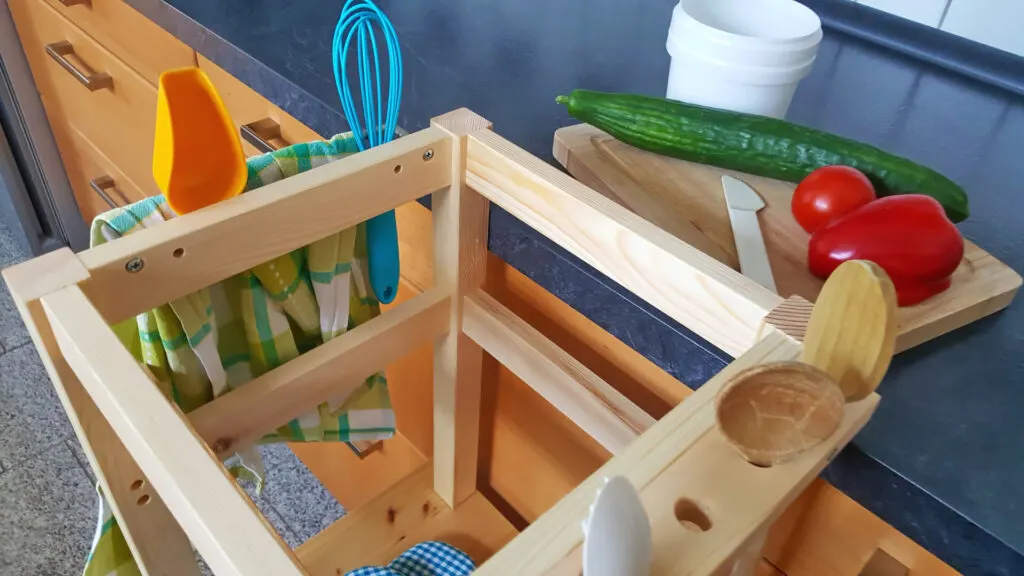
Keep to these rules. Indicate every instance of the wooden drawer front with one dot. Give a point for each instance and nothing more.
(132, 37)
(118, 120)
(93, 175)
(247, 107)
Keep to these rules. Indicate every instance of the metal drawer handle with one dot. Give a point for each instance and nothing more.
(70, 3)
(260, 133)
(101, 185)
(59, 51)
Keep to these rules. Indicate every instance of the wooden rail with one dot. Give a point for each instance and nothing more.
(696, 290)
(334, 370)
(219, 518)
(600, 410)
(686, 474)
(187, 254)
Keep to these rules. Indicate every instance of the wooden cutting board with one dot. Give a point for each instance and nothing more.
(686, 199)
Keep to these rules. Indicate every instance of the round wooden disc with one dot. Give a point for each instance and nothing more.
(852, 331)
(773, 412)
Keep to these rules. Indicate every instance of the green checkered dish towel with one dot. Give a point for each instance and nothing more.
(209, 342)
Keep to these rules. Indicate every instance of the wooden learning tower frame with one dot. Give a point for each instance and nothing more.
(160, 469)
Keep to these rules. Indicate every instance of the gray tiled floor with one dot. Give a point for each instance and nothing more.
(47, 499)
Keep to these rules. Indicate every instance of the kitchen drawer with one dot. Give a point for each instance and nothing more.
(132, 37)
(246, 107)
(117, 117)
(97, 182)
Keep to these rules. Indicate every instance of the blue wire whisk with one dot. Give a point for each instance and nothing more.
(362, 26)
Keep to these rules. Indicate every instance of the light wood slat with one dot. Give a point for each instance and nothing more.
(241, 417)
(739, 498)
(791, 318)
(683, 455)
(237, 234)
(701, 293)
(460, 218)
(218, 517)
(158, 544)
(406, 514)
(594, 405)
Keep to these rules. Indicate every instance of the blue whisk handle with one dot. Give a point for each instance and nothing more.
(382, 253)
(356, 31)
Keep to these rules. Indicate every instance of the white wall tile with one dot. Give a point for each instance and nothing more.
(927, 12)
(998, 23)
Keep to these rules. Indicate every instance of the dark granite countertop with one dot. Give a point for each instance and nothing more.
(941, 460)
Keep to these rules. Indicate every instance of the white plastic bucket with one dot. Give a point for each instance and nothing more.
(741, 55)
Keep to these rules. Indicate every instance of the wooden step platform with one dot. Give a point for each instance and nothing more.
(406, 514)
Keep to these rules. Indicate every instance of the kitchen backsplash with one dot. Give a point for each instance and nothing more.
(998, 23)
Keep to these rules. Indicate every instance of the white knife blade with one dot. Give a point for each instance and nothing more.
(743, 204)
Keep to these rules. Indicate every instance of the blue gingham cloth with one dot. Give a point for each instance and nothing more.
(424, 559)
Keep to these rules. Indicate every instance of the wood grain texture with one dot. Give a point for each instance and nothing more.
(765, 568)
(220, 520)
(739, 504)
(120, 121)
(791, 317)
(83, 163)
(246, 106)
(460, 260)
(241, 417)
(355, 481)
(882, 564)
(852, 330)
(773, 413)
(825, 533)
(218, 240)
(587, 400)
(557, 532)
(709, 298)
(532, 455)
(748, 561)
(141, 43)
(683, 456)
(686, 200)
(157, 542)
(408, 513)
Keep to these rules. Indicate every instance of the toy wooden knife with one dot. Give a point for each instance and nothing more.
(617, 534)
(746, 230)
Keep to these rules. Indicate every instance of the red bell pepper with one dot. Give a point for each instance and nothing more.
(909, 236)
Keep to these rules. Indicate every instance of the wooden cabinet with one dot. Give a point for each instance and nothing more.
(262, 125)
(96, 180)
(89, 92)
(531, 455)
(138, 42)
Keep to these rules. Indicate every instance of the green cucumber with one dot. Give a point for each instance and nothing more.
(755, 144)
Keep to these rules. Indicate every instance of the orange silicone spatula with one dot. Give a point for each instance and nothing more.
(197, 156)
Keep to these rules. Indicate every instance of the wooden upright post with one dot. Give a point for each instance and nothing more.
(460, 258)
(158, 544)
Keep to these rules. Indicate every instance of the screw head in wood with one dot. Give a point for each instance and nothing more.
(134, 265)
(428, 154)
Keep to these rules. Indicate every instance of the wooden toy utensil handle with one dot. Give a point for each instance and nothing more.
(852, 331)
